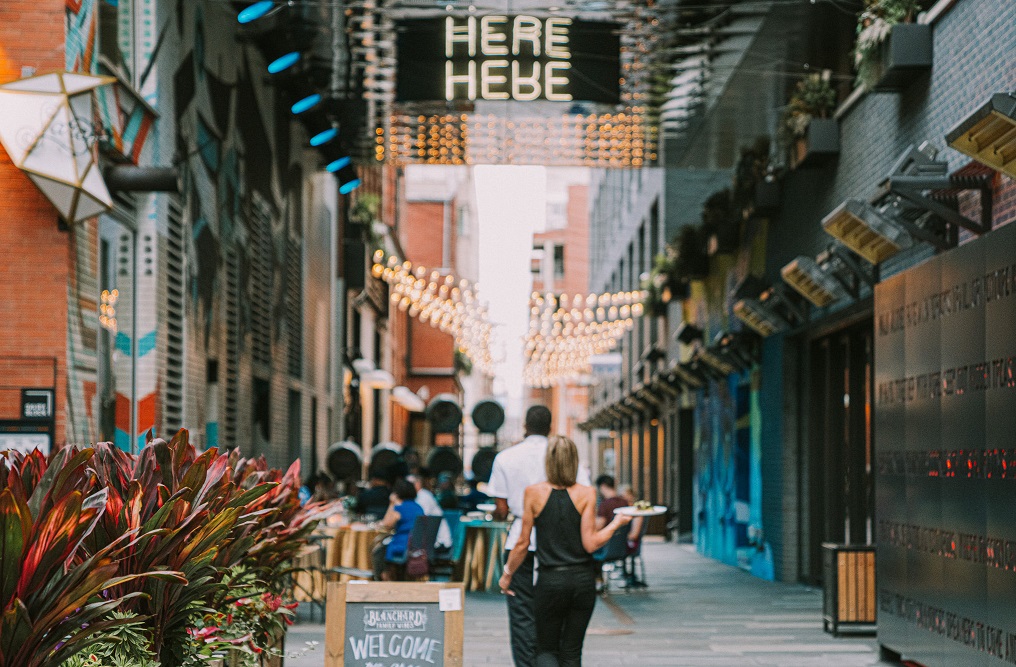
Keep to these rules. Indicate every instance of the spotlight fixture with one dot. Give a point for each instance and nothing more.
(865, 230)
(813, 283)
(989, 134)
(283, 62)
(348, 180)
(306, 103)
(324, 136)
(254, 11)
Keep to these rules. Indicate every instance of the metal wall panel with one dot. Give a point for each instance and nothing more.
(944, 423)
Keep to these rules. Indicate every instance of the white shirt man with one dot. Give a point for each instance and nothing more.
(516, 468)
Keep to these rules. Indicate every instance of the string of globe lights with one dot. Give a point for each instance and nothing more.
(565, 332)
(438, 299)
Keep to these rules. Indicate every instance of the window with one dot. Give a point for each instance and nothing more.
(559, 261)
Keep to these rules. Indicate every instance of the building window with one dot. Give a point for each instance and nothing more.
(559, 262)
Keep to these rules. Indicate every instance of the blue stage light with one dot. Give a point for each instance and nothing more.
(324, 137)
(255, 11)
(335, 165)
(306, 103)
(283, 62)
(346, 188)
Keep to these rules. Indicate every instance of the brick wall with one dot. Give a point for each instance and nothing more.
(36, 254)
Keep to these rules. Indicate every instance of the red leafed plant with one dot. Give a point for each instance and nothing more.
(55, 599)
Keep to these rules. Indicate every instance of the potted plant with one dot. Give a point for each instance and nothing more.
(663, 284)
(692, 262)
(755, 185)
(808, 130)
(721, 223)
(890, 47)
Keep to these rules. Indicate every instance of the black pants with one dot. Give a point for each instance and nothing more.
(521, 622)
(564, 603)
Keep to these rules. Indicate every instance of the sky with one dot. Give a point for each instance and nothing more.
(511, 204)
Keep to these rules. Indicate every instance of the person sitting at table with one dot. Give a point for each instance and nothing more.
(426, 500)
(446, 496)
(374, 499)
(610, 500)
(564, 514)
(399, 519)
(468, 502)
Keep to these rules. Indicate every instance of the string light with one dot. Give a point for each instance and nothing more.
(565, 332)
(441, 301)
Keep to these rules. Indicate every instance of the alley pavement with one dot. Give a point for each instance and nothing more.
(696, 612)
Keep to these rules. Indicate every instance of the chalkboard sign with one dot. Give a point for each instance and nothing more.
(394, 625)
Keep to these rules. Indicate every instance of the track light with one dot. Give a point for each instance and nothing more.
(866, 230)
(255, 11)
(989, 134)
(336, 165)
(324, 136)
(283, 62)
(348, 180)
(306, 103)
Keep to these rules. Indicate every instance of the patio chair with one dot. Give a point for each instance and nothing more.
(614, 552)
(423, 536)
(443, 567)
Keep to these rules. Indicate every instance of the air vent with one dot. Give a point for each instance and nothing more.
(232, 367)
(294, 306)
(175, 273)
(261, 282)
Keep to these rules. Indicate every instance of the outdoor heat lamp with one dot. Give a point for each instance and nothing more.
(989, 134)
(865, 230)
(759, 317)
(813, 282)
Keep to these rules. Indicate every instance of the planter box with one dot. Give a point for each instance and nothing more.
(904, 55)
(848, 588)
(818, 147)
(767, 195)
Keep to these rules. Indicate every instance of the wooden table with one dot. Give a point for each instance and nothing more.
(482, 566)
(351, 547)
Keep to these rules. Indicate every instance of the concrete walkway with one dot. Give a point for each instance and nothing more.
(696, 613)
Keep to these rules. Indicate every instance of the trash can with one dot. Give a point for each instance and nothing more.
(848, 587)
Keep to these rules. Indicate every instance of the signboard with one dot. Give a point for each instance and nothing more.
(24, 436)
(945, 415)
(501, 57)
(37, 404)
(394, 625)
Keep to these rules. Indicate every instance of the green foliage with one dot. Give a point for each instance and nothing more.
(813, 97)
(873, 27)
(752, 168)
(161, 536)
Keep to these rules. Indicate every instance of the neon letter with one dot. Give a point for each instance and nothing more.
(490, 39)
(452, 80)
(487, 79)
(532, 81)
(557, 38)
(465, 34)
(526, 29)
(552, 81)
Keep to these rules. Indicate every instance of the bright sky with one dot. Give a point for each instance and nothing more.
(511, 203)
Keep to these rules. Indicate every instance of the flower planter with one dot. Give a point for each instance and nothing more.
(819, 145)
(767, 195)
(905, 53)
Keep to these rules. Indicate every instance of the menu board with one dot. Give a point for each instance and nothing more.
(394, 625)
(394, 635)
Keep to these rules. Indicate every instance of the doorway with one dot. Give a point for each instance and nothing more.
(838, 458)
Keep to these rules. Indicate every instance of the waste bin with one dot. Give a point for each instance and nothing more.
(848, 586)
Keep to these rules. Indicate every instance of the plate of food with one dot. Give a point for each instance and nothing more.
(487, 507)
(641, 508)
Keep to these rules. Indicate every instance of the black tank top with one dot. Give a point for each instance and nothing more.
(559, 533)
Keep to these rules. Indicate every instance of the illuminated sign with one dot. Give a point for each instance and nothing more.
(501, 57)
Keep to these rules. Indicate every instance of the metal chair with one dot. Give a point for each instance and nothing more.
(614, 552)
(636, 559)
(422, 536)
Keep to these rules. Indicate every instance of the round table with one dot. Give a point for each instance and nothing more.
(482, 557)
(351, 547)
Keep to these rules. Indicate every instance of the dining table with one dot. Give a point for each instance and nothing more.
(483, 553)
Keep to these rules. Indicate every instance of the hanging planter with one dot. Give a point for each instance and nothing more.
(721, 224)
(891, 50)
(808, 132)
(692, 262)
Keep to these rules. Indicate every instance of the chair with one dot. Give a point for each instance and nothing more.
(444, 565)
(422, 536)
(636, 559)
(614, 552)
